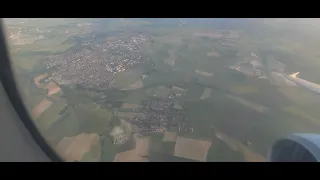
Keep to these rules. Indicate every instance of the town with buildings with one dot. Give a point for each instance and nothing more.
(94, 66)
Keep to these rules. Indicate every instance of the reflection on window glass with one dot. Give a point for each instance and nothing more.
(167, 89)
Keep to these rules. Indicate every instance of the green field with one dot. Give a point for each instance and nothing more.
(158, 146)
(108, 150)
(126, 78)
(220, 152)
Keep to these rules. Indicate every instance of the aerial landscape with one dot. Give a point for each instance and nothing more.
(178, 90)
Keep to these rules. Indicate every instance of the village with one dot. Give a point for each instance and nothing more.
(159, 115)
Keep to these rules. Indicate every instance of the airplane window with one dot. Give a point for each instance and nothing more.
(151, 90)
